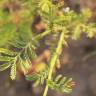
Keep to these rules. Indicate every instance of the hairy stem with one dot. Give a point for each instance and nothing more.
(53, 61)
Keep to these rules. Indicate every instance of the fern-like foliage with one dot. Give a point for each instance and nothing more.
(21, 58)
(61, 84)
(13, 71)
(39, 77)
(18, 44)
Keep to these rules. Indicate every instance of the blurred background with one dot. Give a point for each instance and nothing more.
(78, 61)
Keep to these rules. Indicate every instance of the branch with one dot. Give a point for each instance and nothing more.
(53, 61)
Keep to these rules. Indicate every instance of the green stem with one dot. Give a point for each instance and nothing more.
(53, 61)
(42, 34)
